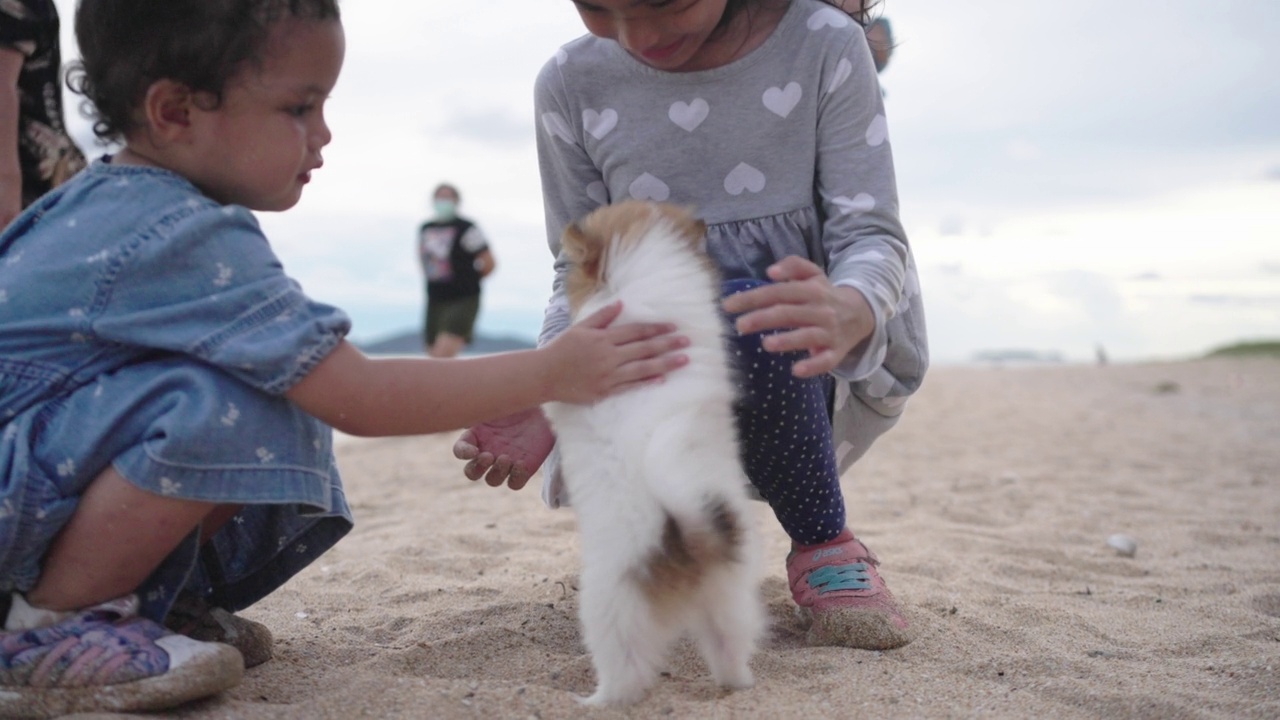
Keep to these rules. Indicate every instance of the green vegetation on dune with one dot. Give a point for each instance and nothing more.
(1254, 348)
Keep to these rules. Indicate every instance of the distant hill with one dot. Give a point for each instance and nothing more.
(1018, 356)
(1251, 348)
(410, 343)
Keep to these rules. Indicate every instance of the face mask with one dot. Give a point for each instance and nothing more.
(445, 209)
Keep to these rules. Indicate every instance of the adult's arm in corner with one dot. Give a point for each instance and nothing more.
(10, 169)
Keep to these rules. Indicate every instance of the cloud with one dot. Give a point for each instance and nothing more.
(1036, 74)
(951, 226)
(1004, 107)
(1074, 312)
(1065, 312)
(1023, 150)
(1235, 300)
(1094, 294)
(493, 125)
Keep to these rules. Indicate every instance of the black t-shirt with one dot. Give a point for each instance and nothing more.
(448, 255)
(47, 154)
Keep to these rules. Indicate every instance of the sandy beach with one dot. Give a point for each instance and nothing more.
(990, 506)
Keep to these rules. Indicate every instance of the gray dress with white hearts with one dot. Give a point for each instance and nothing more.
(784, 151)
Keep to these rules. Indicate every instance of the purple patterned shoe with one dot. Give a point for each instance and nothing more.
(106, 658)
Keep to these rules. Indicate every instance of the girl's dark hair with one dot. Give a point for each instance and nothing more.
(126, 45)
(859, 10)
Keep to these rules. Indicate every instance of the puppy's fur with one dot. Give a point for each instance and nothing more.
(654, 473)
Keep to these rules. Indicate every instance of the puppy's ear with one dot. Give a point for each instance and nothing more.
(693, 230)
(583, 250)
(697, 236)
(573, 241)
(689, 224)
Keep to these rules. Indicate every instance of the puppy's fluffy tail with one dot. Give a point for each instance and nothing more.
(691, 548)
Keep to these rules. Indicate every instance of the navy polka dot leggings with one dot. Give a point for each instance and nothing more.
(784, 428)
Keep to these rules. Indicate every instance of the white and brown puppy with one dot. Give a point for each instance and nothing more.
(654, 473)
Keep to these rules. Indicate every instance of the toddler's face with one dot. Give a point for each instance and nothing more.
(666, 35)
(260, 145)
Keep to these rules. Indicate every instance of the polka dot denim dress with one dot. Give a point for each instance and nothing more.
(147, 328)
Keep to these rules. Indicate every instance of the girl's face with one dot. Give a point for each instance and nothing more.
(669, 35)
(259, 146)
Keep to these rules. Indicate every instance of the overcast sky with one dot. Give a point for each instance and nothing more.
(1071, 174)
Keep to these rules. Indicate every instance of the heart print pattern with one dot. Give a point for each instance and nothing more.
(689, 115)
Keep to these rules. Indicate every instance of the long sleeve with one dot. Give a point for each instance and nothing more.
(864, 241)
(571, 184)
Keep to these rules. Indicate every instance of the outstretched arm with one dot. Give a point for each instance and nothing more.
(367, 396)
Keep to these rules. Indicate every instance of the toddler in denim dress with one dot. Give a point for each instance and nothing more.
(161, 342)
(168, 393)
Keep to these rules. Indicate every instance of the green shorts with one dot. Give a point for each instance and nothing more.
(455, 317)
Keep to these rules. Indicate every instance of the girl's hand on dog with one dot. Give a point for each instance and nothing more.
(811, 313)
(594, 359)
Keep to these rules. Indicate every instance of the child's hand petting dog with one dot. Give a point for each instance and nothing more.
(593, 359)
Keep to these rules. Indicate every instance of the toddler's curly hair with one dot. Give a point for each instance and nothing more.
(126, 45)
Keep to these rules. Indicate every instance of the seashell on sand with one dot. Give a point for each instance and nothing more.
(1123, 544)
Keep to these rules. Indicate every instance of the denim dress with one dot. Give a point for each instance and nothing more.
(146, 327)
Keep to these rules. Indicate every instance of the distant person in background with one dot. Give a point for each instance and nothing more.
(36, 154)
(455, 256)
(880, 38)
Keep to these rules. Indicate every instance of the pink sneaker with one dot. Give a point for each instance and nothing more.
(835, 585)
